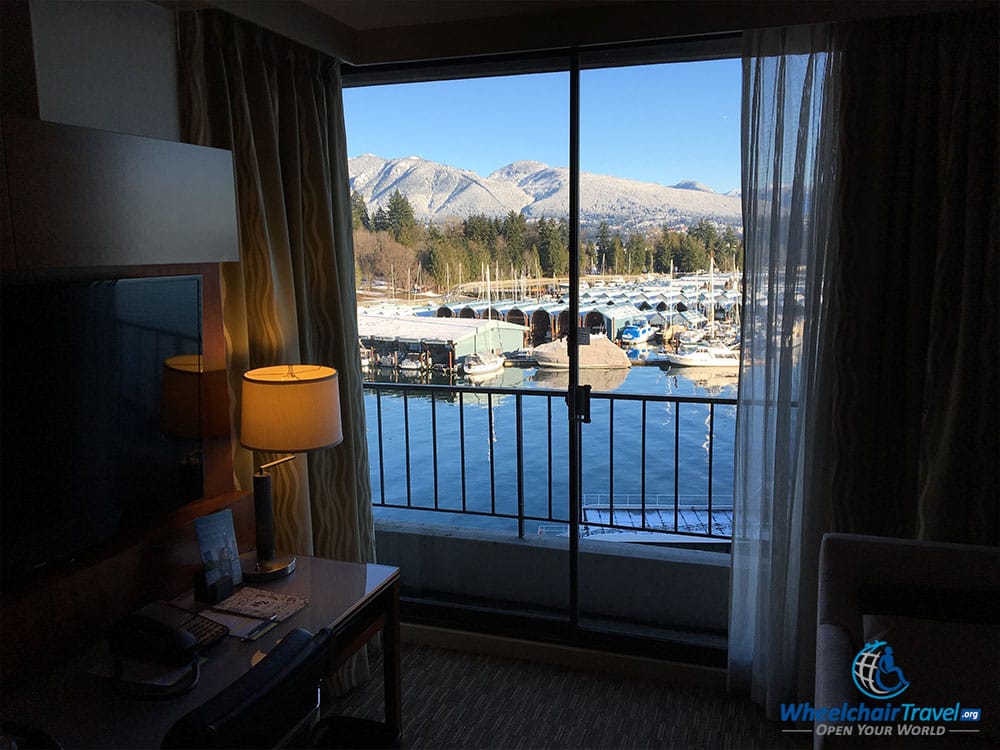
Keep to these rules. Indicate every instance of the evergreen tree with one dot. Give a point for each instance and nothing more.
(380, 223)
(666, 249)
(635, 252)
(589, 257)
(729, 256)
(603, 249)
(564, 246)
(691, 255)
(616, 254)
(480, 229)
(514, 230)
(359, 212)
(707, 236)
(402, 223)
(553, 246)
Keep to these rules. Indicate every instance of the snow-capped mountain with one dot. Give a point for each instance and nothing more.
(438, 192)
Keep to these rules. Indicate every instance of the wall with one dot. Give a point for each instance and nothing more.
(685, 589)
(107, 65)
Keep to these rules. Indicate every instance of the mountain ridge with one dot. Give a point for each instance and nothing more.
(440, 192)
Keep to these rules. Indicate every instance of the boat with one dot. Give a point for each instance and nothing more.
(691, 337)
(715, 381)
(411, 362)
(637, 332)
(520, 358)
(699, 355)
(484, 363)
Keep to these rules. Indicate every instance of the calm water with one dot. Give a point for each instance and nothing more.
(612, 447)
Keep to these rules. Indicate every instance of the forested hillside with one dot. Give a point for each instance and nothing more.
(391, 244)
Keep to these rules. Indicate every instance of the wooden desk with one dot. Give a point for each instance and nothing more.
(79, 709)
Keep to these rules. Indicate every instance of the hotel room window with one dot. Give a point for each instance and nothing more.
(461, 229)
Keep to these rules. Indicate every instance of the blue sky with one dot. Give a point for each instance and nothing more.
(656, 123)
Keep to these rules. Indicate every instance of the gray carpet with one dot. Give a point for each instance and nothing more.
(453, 699)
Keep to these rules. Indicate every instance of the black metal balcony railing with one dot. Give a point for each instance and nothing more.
(658, 470)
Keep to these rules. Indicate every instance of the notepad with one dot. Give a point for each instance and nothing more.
(264, 605)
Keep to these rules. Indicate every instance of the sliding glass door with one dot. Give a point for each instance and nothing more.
(462, 240)
(661, 238)
(577, 222)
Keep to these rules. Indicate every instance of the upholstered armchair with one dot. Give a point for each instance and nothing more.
(936, 604)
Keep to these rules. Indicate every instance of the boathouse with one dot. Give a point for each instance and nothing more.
(438, 341)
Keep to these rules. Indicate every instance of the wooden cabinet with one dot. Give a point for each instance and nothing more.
(73, 199)
(77, 197)
(48, 620)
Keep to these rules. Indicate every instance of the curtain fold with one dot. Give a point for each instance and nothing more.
(871, 326)
(789, 175)
(918, 418)
(290, 299)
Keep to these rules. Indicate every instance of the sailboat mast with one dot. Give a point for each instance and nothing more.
(489, 311)
(711, 294)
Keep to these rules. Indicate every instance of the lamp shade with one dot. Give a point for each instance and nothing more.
(291, 408)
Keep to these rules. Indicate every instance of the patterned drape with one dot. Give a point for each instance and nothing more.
(917, 360)
(290, 299)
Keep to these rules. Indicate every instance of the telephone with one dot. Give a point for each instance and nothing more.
(144, 634)
(164, 633)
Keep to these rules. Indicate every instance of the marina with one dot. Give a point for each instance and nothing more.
(480, 336)
(466, 413)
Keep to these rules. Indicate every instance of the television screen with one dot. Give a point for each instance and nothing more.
(87, 451)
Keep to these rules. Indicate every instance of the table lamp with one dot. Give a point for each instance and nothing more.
(286, 409)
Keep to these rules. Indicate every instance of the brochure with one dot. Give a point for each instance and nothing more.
(264, 605)
(219, 552)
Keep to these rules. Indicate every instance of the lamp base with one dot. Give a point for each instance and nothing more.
(255, 570)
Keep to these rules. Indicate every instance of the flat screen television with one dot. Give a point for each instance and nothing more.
(86, 454)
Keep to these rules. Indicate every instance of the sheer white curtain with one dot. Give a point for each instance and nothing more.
(789, 169)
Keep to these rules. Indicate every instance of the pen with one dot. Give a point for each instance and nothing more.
(259, 630)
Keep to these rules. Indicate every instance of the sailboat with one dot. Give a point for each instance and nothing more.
(700, 355)
(483, 364)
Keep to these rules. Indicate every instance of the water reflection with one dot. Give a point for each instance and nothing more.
(712, 381)
(598, 380)
(695, 381)
(507, 377)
